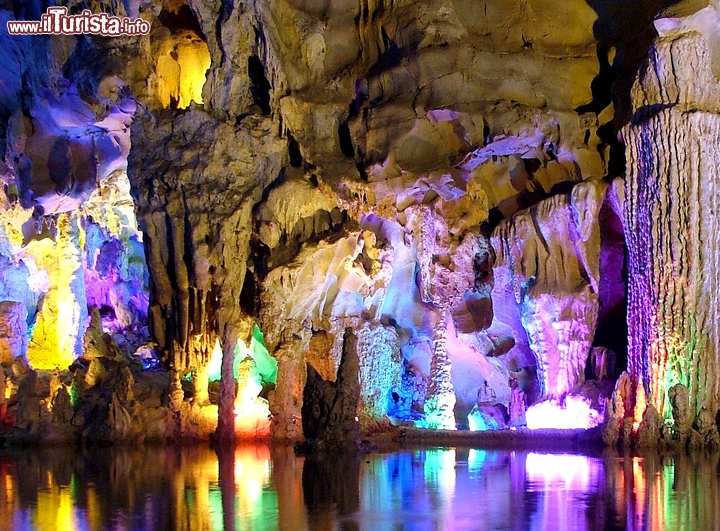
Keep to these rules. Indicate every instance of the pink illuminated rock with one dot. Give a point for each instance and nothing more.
(518, 406)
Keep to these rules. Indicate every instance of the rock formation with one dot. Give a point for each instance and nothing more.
(430, 198)
(13, 330)
(553, 289)
(329, 412)
(670, 221)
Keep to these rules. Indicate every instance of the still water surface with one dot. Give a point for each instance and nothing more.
(259, 488)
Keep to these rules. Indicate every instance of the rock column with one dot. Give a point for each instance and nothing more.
(673, 231)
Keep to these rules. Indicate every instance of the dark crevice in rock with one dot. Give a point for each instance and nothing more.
(181, 19)
(361, 171)
(613, 30)
(612, 329)
(601, 86)
(259, 258)
(392, 57)
(346, 144)
(494, 219)
(260, 86)
(616, 162)
(294, 154)
(361, 88)
(249, 296)
(627, 27)
(532, 165)
(564, 187)
(226, 11)
(527, 199)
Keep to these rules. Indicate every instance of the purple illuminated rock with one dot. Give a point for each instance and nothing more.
(547, 280)
(69, 149)
(485, 417)
(518, 407)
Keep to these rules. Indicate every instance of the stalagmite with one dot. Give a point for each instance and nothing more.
(440, 401)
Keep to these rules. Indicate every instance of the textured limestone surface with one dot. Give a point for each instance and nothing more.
(13, 330)
(671, 221)
(329, 412)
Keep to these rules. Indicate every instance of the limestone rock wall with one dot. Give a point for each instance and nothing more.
(194, 206)
(671, 219)
(70, 242)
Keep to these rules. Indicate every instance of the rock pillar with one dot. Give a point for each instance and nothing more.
(673, 229)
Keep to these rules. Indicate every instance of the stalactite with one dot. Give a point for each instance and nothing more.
(672, 226)
(194, 204)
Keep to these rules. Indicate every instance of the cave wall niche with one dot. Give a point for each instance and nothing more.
(182, 56)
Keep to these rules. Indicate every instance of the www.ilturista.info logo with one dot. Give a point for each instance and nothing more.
(56, 21)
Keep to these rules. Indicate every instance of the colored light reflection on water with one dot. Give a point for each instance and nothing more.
(258, 488)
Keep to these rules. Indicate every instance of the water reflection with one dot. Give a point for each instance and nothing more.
(258, 488)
